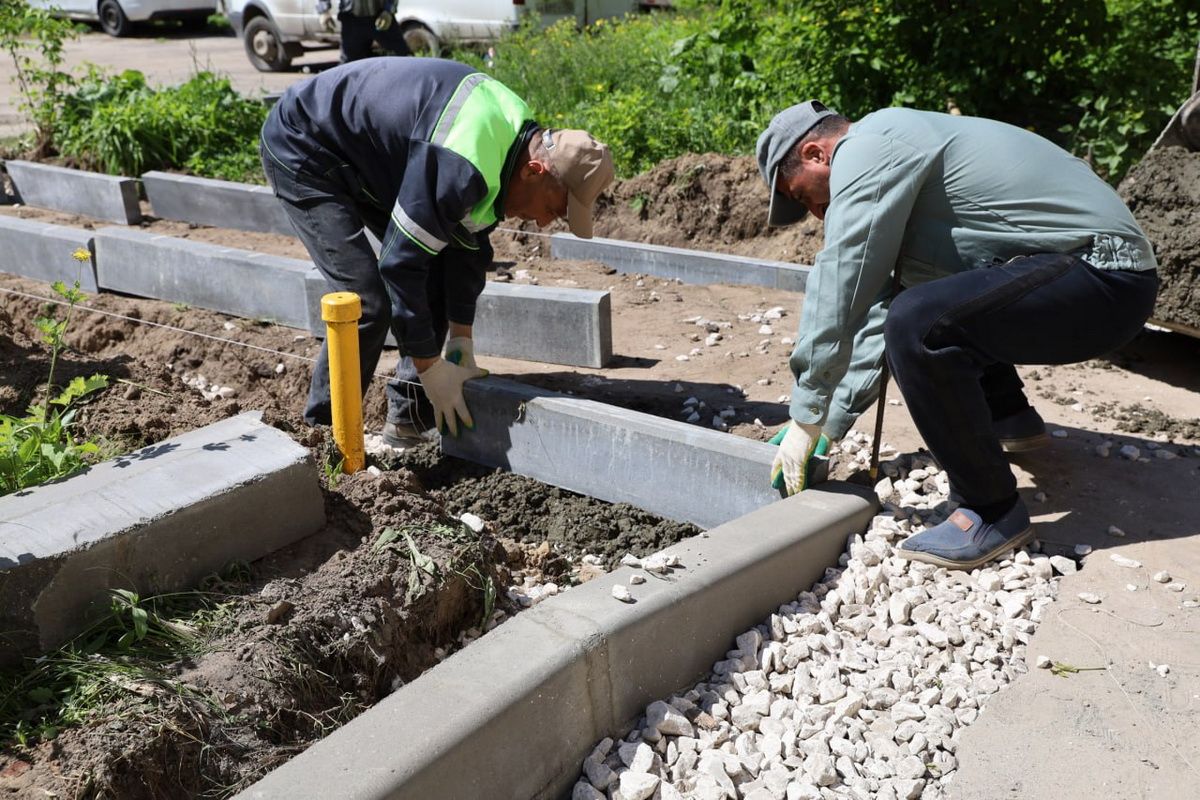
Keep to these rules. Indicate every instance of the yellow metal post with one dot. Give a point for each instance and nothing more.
(341, 311)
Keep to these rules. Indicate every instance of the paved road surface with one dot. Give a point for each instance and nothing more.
(164, 59)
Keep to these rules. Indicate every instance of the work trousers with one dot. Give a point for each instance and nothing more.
(952, 344)
(358, 33)
(332, 224)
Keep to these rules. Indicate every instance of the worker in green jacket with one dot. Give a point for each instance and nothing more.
(429, 156)
(1010, 251)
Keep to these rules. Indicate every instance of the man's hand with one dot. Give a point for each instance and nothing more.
(461, 350)
(328, 19)
(384, 20)
(443, 384)
(796, 448)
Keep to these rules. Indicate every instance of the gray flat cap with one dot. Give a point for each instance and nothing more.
(786, 128)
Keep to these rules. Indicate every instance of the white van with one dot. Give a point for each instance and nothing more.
(276, 31)
(117, 17)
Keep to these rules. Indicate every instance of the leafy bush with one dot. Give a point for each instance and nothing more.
(120, 125)
(1098, 76)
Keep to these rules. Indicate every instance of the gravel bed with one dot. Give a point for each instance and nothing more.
(856, 689)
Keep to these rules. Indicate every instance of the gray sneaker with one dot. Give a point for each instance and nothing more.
(400, 436)
(1022, 431)
(965, 541)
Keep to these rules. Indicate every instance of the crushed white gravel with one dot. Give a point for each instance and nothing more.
(856, 689)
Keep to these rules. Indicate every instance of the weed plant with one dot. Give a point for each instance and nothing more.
(120, 663)
(40, 447)
(33, 40)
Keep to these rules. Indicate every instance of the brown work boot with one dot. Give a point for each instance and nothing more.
(400, 436)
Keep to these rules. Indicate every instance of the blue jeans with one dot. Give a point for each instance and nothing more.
(330, 220)
(951, 344)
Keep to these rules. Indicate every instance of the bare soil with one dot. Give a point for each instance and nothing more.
(1163, 191)
(1147, 394)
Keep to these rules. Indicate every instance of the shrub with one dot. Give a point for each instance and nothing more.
(120, 125)
(1098, 76)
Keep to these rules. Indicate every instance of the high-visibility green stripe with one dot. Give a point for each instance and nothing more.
(450, 112)
(487, 122)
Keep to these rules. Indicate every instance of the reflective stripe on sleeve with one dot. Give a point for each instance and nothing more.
(423, 238)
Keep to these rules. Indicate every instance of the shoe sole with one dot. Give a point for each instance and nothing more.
(1026, 444)
(929, 558)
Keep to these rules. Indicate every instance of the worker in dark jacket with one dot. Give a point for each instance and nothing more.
(364, 22)
(428, 155)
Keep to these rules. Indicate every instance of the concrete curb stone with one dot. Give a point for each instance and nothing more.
(689, 266)
(43, 252)
(680, 471)
(107, 197)
(514, 714)
(155, 520)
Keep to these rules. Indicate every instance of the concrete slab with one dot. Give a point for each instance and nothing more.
(107, 197)
(533, 323)
(43, 252)
(680, 471)
(514, 714)
(156, 520)
(239, 282)
(221, 204)
(689, 266)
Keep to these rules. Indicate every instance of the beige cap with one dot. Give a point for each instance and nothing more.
(585, 167)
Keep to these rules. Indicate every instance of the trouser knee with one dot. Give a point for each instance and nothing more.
(904, 329)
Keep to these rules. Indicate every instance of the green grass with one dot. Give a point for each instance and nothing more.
(119, 664)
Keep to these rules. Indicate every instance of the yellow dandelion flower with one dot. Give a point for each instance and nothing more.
(82, 254)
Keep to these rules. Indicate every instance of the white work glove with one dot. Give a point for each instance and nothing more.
(384, 20)
(328, 19)
(795, 450)
(443, 384)
(461, 350)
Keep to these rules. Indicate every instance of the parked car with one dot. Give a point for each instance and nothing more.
(276, 31)
(118, 17)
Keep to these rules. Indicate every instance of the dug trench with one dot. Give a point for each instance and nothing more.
(300, 642)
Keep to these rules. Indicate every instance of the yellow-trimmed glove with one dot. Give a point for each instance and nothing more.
(328, 19)
(461, 350)
(798, 442)
(443, 384)
(384, 20)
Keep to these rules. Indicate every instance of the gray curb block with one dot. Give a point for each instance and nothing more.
(43, 252)
(514, 714)
(689, 266)
(239, 282)
(544, 323)
(107, 197)
(155, 520)
(679, 471)
(221, 204)
(531, 323)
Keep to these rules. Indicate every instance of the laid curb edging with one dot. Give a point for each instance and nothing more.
(689, 266)
(514, 714)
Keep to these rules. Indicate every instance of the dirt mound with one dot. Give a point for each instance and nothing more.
(1163, 191)
(700, 202)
